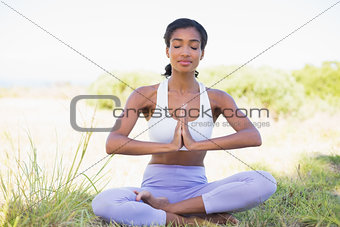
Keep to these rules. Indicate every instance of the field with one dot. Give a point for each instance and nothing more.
(50, 172)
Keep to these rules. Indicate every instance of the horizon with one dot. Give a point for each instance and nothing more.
(106, 32)
(37, 82)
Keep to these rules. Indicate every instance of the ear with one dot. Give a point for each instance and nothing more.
(167, 52)
(202, 55)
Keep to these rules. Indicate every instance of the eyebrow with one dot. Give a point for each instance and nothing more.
(191, 40)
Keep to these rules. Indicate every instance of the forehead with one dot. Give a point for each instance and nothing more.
(186, 34)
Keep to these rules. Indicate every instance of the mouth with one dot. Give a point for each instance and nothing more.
(184, 62)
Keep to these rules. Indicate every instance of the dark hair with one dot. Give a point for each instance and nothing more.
(183, 23)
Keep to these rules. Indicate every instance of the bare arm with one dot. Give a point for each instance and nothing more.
(246, 134)
(120, 144)
(118, 141)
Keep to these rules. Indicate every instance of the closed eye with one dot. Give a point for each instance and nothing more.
(194, 48)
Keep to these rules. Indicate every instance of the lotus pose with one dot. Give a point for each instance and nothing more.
(181, 113)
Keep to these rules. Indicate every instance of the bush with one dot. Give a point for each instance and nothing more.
(109, 85)
(279, 91)
(323, 82)
(264, 86)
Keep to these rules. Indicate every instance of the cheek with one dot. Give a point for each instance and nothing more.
(173, 51)
(174, 54)
(198, 55)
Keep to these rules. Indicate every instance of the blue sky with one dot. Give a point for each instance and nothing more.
(128, 35)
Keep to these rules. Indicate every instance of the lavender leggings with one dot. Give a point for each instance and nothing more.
(235, 193)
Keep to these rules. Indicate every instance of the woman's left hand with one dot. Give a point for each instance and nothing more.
(188, 141)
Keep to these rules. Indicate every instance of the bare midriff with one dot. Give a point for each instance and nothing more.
(185, 158)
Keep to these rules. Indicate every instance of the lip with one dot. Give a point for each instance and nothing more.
(184, 62)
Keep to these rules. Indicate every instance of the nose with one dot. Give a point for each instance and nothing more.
(185, 51)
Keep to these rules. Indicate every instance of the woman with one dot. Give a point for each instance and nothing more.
(175, 188)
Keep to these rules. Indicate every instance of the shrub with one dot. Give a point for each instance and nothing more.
(323, 82)
(264, 86)
(108, 85)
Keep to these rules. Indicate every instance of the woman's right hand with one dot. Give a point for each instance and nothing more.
(177, 141)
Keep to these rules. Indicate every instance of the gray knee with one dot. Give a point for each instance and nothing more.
(267, 183)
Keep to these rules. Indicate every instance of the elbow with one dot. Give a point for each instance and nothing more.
(257, 139)
(111, 144)
(254, 138)
(258, 142)
(108, 149)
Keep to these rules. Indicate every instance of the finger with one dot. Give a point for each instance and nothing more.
(179, 123)
(183, 117)
(178, 126)
(182, 112)
(184, 124)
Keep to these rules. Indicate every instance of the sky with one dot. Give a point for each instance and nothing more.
(128, 36)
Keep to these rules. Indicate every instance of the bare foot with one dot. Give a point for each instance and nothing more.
(148, 198)
(178, 220)
(219, 218)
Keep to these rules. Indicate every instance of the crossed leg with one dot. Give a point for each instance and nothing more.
(214, 200)
(120, 206)
(235, 193)
(194, 206)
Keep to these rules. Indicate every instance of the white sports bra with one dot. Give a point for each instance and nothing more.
(162, 130)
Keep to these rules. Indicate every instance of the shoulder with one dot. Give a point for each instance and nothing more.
(219, 97)
(143, 95)
(145, 90)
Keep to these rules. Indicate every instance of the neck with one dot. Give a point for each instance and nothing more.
(183, 82)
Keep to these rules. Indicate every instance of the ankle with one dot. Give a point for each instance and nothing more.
(168, 208)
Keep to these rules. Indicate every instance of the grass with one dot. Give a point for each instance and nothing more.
(60, 195)
(310, 198)
(33, 197)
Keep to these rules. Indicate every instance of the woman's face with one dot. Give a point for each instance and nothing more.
(185, 50)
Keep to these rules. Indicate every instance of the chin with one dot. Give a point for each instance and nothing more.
(186, 70)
